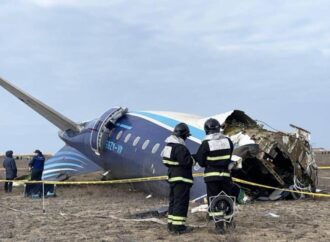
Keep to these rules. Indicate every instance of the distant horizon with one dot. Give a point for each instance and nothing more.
(2, 153)
(51, 154)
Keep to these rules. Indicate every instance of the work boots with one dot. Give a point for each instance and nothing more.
(169, 227)
(224, 227)
(220, 227)
(181, 230)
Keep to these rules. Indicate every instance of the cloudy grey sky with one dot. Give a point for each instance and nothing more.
(270, 59)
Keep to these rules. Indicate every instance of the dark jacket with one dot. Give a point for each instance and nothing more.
(178, 159)
(215, 155)
(37, 163)
(10, 165)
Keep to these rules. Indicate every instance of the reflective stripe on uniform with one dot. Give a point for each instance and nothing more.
(180, 178)
(213, 214)
(169, 218)
(178, 218)
(217, 158)
(216, 174)
(170, 162)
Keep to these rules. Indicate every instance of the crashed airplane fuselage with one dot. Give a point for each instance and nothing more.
(128, 145)
(272, 158)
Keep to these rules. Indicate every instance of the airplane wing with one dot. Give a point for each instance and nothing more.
(59, 120)
(67, 162)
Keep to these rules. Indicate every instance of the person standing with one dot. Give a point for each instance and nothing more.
(37, 167)
(214, 154)
(179, 161)
(11, 170)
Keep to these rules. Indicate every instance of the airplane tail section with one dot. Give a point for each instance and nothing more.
(59, 120)
(68, 162)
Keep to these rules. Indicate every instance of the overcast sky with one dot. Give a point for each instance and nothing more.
(270, 59)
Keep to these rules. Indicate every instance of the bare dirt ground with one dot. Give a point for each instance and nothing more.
(97, 213)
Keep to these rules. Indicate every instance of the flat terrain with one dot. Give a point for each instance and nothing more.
(104, 213)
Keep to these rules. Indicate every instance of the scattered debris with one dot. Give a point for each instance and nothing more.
(202, 208)
(273, 215)
(158, 213)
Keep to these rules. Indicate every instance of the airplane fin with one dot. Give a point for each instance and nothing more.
(59, 120)
(68, 162)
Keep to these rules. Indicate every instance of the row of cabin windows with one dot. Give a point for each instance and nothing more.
(136, 141)
(325, 153)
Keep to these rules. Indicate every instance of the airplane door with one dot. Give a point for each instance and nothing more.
(102, 128)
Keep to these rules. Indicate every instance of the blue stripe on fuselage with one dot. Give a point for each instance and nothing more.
(195, 132)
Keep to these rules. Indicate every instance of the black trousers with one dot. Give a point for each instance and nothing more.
(9, 185)
(178, 205)
(36, 175)
(34, 188)
(213, 188)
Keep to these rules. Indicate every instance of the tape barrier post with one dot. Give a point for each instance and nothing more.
(43, 198)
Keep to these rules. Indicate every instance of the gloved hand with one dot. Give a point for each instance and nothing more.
(236, 162)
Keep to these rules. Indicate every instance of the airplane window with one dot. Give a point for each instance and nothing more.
(128, 136)
(136, 141)
(119, 135)
(155, 148)
(145, 144)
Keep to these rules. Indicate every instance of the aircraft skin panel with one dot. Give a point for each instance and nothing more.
(125, 159)
(68, 161)
(193, 120)
(184, 117)
(73, 155)
(197, 134)
(220, 117)
(64, 164)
